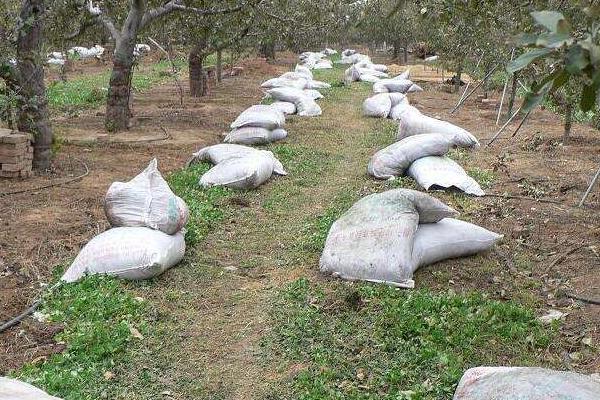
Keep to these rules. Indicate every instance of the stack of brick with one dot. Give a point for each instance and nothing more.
(16, 154)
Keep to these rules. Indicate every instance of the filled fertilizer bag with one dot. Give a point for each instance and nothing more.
(516, 383)
(251, 135)
(377, 106)
(220, 152)
(284, 106)
(146, 200)
(373, 240)
(247, 172)
(12, 389)
(450, 238)
(128, 253)
(413, 122)
(395, 159)
(262, 116)
(443, 172)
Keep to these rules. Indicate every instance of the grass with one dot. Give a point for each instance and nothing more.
(374, 342)
(204, 203)
(89, 91)
(101, 318)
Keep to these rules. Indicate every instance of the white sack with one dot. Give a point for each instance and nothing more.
(398, 98)
(284, 106)
(329, 52)
(313, 94)
(368, 78)
(304, 71)
(352, 74)
(413, 122)
(373, 240)
(288, 94)
(247, 172)
(450, 238)
(396, 85)
(12, 389)
(284, 82)
(129, 253)
(443, 172)
(348, 52)
(403, 75)
(395, 159)
(323, 64)
(377, 106)
(515, 383)
(308, 108)
(380, 67)
(146, 200)
(317, 85)
(373, 72)
(263, 116)
(251, 135)
(221, 152)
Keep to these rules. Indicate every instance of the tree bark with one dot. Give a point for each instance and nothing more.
(198, 77)
(32, 109)
(396, 50)
(219, 66)
(513, 94)
(267, 50)
(458, 76)
(118, 112)
(405, 51)
(568, 121)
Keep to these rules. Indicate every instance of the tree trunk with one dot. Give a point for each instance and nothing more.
(513, 94)
(119, 88)
(458, 77)
(405, 51)
(396, 50)
(33, 105)
(267, 50)
(198, 77)
(219, 66)
(568, 120)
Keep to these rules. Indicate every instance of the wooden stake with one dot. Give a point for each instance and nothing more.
(589, 189)
(503, 127)
(475, 88)
(468, 84)
(512, 54)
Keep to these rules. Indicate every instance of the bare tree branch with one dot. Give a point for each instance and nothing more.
(175, 5)
(97, 13)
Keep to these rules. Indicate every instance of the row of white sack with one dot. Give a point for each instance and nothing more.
(386, 237)
(480, 383)
(301, 78)
(317, 60)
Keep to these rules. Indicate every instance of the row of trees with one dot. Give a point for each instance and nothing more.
(34, 27)
(465, 33)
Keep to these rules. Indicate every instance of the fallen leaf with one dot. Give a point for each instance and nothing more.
(135, 333)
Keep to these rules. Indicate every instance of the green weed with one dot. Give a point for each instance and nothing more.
(204, 204)
(375, 342)
(100, 318)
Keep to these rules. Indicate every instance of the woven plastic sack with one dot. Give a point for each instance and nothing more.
(413, 122)
(290, 95)
(12, 389)
(395, 159)
(396, 85)
(519, 383)
(373, 240)
(251, 135)
(443, 172)
(373, 72)
(247, 172)
(220, 152)
(260, 115)
(285, 107)
(377, 106)
(352, 74)
(128, 253)
(323, 64)
(146, 200)
(308, 108)
(450, 238)
(368, 78)
(284, 82)
(304, 71)
(313, 94)
(317, 85)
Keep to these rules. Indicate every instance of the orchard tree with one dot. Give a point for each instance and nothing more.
(138, 15)
(24, 75)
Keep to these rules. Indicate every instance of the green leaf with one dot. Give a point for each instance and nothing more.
(561, 78)
(553, 40)
(526, 58)
(526, 39)
(576, 60)
(550, 20)
(534, 98)
(588, 97)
